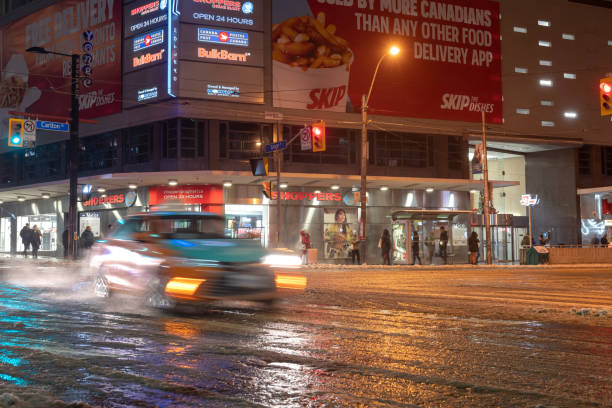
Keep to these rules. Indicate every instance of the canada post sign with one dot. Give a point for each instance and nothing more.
(214, 36)
(148, 40)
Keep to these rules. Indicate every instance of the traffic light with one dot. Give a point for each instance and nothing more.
(605, 93)
(15, 134)
(318, 136)
(267, 189)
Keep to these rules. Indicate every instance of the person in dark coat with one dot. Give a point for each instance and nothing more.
(443, 243)
(473, 246)
(36, 240)
(87, 238)
(415, 248)
(65, 242)
(26, 238)
(604, 241)
(385, 246)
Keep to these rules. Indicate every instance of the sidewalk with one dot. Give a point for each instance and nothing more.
(456, 267)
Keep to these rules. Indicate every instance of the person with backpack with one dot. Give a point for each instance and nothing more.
(385, 245)
(473, 246)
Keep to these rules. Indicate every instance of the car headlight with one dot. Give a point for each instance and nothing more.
(282, 260)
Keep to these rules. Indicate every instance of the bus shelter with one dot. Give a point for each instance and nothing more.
(428, 225)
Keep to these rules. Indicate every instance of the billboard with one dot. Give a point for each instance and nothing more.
(40, 83)
(449, 67)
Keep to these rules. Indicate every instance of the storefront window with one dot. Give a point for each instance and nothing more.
(244, 222)
(90, 219)
(47, 223)
(5, 234)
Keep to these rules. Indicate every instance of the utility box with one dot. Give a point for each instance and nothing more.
(312, 256)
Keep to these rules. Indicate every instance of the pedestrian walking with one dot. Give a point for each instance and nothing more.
(473, 246)
(415, 248)
(26, 238)
(65, 242)
(443, 243)
(385, 245)
(36, 240)
(542, 240)
(355, 250)
(305, 246)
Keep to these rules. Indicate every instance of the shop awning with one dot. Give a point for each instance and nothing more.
(118, 181)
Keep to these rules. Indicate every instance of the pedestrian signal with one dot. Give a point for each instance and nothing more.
(259, 167)
(605, 93)
(318, 136)
(267, 189)
(15, 133)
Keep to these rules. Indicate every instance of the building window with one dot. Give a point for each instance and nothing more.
(546, 82)
(188, 139)
(522, 111)
(521, 30)
(570, 115)
(566, 36)
(400, 149)
(520, 70)
(544, 43)
(606, 162)
(547, 103)
(138, 144)
(99, 152)
(546, 63)
(339, 147)
(456, 153)
(544, 23)
(43, 162)
(169, 130)
(202, 133)
(240, 140)
(584, 160)
(546, 123)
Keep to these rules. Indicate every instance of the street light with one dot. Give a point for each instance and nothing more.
(74, 143)
(365, 99)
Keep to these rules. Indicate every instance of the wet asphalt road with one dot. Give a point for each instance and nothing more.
(377, 337)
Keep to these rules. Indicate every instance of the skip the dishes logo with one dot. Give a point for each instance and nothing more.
(463, 102)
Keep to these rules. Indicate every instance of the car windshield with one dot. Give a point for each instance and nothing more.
(189, 227)
(173, 226)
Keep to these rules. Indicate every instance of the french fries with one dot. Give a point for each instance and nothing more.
(308, 43)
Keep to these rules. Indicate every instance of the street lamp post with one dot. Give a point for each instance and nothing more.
(74, 144)
(365, 99)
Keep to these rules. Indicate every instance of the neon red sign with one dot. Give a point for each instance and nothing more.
(299, 196)
(111, 199)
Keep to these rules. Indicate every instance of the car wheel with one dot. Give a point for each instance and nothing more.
(157, 298)
(101, 287)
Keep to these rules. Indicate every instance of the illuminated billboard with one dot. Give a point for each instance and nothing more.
(38, 82)
(450, 56)
(246, 15)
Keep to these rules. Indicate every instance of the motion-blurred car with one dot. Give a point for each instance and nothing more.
(172, 258)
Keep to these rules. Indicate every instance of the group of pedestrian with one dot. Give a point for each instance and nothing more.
(385, 245)
(30, 237)
(603, 241)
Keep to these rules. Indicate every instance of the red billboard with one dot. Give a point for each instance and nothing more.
(325, 53)
(207, 195)
(40, 83)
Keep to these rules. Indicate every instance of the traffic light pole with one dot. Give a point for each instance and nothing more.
(487, 198)
(74, 157)
(364, 171)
